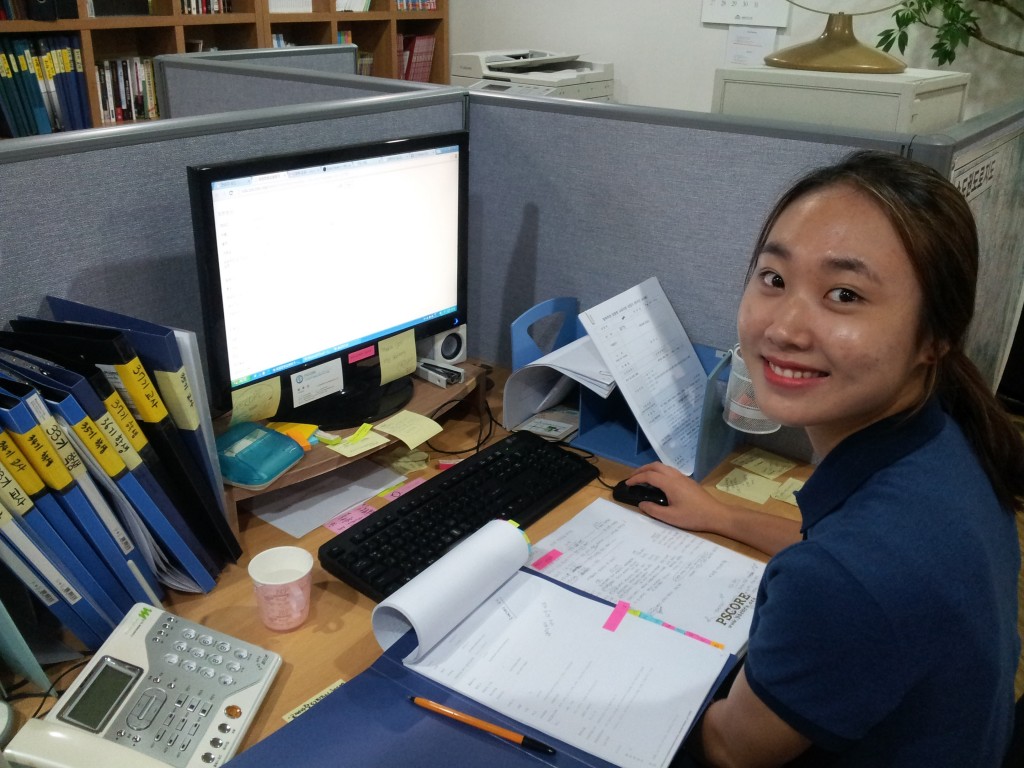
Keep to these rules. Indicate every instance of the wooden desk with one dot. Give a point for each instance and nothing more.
(336, 642)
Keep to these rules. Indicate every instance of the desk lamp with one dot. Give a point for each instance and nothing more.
(837, 50)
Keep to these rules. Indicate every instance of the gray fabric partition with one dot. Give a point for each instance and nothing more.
(197, 86)
(984, 157)
(588, 200)
(103, 216)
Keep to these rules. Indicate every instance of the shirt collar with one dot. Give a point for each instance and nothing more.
(862, 454)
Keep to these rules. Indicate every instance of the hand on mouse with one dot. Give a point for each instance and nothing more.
(689, 505)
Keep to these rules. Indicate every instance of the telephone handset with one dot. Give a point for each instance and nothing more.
(160, 691)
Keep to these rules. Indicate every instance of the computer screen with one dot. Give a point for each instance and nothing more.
(308, 261)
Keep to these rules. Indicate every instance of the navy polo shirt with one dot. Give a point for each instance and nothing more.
(888, 636)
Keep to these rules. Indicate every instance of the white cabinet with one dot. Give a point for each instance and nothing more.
(913, 101)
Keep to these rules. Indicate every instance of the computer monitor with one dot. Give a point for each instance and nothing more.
(308, 261)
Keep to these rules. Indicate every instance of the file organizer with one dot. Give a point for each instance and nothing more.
(608, 427)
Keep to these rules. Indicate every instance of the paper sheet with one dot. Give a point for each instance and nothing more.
(655, 366)
(619, 554)
(545, 382)
(303, 507)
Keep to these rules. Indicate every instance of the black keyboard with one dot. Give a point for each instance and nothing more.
(520, 478)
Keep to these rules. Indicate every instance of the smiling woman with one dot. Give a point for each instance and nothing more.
(899, 585)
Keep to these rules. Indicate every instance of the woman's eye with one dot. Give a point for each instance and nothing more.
(772, 279)
(843, 295)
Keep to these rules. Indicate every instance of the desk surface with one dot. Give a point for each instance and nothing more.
(336, 642)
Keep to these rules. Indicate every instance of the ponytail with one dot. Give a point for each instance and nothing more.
(995, 439)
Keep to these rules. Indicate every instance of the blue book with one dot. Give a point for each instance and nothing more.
(50, 596)
(59, 519)
(79, 526)
(87, 507)
(159, 531)
(160, 514)
(84, 346)
(27, 528)
(26, 61)
(159, 347)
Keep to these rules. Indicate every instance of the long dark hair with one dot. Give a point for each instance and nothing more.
(939, 234)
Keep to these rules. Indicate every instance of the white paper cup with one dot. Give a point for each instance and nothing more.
(281, 578)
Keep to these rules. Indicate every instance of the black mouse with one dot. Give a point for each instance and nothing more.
(634, 494)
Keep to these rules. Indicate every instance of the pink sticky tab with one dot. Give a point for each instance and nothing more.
(618, 614)
(349, 517)
(543, 562)
(362, 354)
(403, 489)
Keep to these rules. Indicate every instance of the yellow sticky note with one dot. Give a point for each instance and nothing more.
(370, 441)
(748, 486)
(411, 428)
(763, 463)
(308, 704)
(787, 491)
(257, 401)
(397, 356)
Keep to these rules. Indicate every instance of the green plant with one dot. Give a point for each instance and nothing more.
(955, 24)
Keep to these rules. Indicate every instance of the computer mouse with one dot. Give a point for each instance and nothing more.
(634, 494)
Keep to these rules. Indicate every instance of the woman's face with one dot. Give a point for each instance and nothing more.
(828, 324)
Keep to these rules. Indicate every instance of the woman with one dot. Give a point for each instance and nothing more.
(885, 627)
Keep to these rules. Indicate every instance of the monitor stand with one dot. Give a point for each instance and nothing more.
(363, 402)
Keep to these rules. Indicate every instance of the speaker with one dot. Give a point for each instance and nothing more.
(448, 346)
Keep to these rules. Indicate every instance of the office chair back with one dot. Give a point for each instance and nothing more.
(543, 328)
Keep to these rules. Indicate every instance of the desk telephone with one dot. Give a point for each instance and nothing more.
(160, 691)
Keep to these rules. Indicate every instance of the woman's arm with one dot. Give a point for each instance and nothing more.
(693, 508)
(739, 731)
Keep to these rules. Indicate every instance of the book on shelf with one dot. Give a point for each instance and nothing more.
(491, 630)
(420, 56)
(290, 6)
(118, 7)
(26, 90)
(127, 90)
(38, 10)
(47, 74)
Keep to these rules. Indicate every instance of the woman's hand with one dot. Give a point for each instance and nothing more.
(690, 506)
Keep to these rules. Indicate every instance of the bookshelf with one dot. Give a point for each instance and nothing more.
(248, 24)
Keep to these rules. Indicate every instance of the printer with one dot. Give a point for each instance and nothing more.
(534, 73)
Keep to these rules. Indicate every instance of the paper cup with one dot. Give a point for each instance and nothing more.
(281, 578)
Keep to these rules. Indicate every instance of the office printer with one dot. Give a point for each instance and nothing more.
(534, 73)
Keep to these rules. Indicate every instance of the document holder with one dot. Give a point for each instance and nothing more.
(608, 427)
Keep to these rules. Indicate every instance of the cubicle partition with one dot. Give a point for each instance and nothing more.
(103, 216)
(190, 84)
(586, 200)
(984, 157)
(566, 197)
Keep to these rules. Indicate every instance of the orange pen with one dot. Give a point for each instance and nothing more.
(516, 738)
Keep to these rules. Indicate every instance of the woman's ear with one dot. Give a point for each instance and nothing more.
(933, 351)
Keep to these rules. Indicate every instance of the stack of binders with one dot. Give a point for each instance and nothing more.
(109, 486)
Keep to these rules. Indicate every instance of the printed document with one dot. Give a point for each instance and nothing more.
(587, 672)
(653, 362)
(699, 587)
